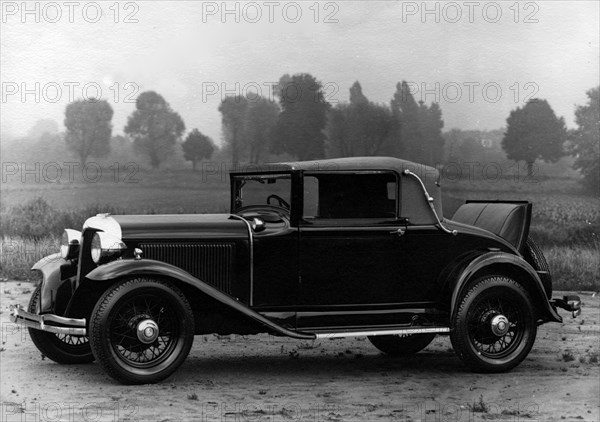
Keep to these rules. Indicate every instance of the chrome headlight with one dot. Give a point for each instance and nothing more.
(69, 247)
(106, 246)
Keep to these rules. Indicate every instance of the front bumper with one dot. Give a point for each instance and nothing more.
(48, 322)
(568, 303)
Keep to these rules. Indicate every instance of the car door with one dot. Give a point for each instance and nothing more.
(351, 247)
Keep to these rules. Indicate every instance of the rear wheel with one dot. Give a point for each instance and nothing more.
(61, 348)
(495, 326)
(402, 344)
(142, 330)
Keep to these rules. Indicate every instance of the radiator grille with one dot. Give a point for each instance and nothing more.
(210, 262)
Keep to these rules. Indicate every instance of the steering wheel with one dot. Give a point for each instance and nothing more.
(282, 202)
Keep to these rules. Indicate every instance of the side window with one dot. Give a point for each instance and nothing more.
(347, 196)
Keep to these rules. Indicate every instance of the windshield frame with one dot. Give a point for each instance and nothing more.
(235, 207)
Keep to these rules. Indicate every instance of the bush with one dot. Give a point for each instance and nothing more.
(31, 220)
(36, 219)
(17, 256)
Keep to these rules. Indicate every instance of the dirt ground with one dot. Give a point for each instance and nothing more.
(264, 378)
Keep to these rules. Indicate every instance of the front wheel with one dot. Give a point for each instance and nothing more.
(141, 330)
(401, 345)
(494, 327)
(61, 348)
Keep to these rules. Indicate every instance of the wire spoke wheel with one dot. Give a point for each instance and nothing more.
(72, 340)
(489, 343)
(123, 331)
(141, 330)
(494, 327)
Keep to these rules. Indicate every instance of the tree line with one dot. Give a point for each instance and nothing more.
(302, 124)
(305, 126)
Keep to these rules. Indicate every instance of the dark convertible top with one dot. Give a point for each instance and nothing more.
(348, 164)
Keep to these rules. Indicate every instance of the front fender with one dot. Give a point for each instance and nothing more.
(531, 280)
(56, 288)
(131, 267)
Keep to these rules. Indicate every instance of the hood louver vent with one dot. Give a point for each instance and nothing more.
(209, 262)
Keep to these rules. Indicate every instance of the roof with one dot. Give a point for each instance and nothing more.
(347, 164)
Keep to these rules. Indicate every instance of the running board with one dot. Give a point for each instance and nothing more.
(341, 334)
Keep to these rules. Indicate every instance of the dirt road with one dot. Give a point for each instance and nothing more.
(263, 378)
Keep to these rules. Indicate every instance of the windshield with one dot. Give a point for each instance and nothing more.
(272, 189)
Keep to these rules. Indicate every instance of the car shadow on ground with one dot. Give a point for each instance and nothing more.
(344, 362)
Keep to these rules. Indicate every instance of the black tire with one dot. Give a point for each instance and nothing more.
(61, 348)
(535, 257)
(402, 345)
(119, 314)
(472, 335)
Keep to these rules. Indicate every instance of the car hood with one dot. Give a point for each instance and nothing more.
(170, 226)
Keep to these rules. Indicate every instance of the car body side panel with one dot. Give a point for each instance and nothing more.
(276, 270)
(351, 265)
(431, 250)
(375, 275)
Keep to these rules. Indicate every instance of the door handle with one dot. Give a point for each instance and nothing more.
(399, 232)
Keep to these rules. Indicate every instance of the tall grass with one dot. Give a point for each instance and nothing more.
(18, 254)
(37, 219)
(574, 267)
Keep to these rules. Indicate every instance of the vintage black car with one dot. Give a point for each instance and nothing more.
(320, 249)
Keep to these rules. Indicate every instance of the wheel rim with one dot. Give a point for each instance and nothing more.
(496, 327)
(145, 332)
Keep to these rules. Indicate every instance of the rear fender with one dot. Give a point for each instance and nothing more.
(496, 263)
(131, 267)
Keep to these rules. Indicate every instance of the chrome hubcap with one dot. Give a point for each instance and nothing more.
(500, 325)
(147, 331)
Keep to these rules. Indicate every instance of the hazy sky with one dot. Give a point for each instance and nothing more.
(477, 59)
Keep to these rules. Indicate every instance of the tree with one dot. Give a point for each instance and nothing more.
(585, 140)
(259, 126)
(534, 133)
(431, 124)
(407, 130)
(233, 117)
(358, 128)
(154, 127)
(303, 117)
(338, 132)
(476, 147)
(197, 147)
(89, 128)
(369, 123)
(417, 128)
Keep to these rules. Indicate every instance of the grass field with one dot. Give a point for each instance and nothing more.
(33, 213)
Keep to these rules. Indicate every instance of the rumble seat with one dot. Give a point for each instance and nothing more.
(509, 220)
